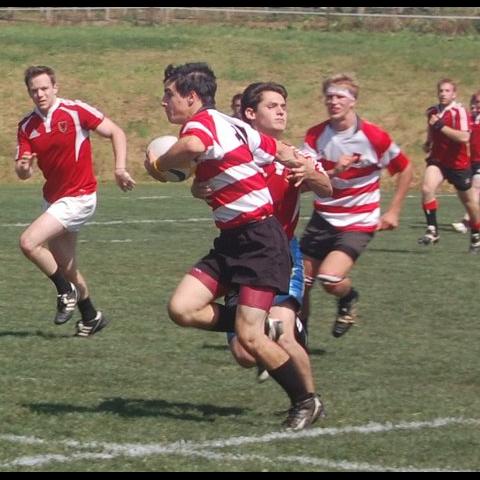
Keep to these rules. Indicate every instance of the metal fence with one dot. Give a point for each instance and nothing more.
(443, 19)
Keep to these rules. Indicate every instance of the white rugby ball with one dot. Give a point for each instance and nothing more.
(158, 146)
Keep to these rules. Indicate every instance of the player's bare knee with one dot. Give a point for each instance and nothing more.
(178, 313)
(241, 356)
(27, 246)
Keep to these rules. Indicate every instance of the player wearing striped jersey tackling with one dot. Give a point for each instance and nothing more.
(353, 152)
(264, 107)
(252, 252)
(56, 136)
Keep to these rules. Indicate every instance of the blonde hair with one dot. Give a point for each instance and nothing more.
(342, 79)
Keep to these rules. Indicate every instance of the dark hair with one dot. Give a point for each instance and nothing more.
(35, 71)
(196, 77)
(253, 94)
(237, 96)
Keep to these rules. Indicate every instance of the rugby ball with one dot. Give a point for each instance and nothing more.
(158, 146)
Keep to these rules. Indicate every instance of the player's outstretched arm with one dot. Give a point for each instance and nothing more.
(112, 131)
(390, 220)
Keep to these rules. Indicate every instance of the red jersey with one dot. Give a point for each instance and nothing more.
(285, 196)
(233, 165)
(62, 144)
(475, 140)
(448, 153)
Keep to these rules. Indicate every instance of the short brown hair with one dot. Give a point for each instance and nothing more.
(35, 71)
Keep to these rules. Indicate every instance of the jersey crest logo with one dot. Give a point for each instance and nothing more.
(62, 126)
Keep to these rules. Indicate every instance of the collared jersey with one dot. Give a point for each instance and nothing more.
(450, 154)
(62, 144)
(355, 202)
(233, 166)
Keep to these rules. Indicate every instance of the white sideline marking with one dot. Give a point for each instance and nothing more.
(193, 448)
(126, 222)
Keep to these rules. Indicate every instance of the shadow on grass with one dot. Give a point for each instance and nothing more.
(135, 408)
(37, 333)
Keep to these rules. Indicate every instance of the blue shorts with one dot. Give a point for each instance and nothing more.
(296, 287)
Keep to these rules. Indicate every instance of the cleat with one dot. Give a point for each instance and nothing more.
(431, 237)
(90, 327)
(346, 316)
(273, 329)
(301, 334)
(66, 303)
(460, 227)
(305, 413)
(475, 244)
(262, 374)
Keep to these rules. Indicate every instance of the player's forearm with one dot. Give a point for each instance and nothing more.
(404, 182)
(180, 155)
(119, 144)
(320, 184)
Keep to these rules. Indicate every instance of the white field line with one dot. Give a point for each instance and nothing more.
(192, 448)
(173, 220)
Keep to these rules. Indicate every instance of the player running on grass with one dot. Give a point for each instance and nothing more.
(56, 135)
(448, 136)
(353, 152)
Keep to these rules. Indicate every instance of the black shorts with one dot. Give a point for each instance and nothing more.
(256, 254)
(320, 238)
(460, 179)
(475, 168)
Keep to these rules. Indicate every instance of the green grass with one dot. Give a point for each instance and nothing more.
(143, 381)
(119, 69)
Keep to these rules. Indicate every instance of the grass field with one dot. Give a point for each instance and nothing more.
(119, 69)
(402, 389)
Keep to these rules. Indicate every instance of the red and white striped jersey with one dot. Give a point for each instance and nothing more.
(355, 202)
(475, 140)
(233, 166)
(450, 154)
(285, 196)
(62, 144)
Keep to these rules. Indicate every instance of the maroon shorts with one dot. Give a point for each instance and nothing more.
(256, 254)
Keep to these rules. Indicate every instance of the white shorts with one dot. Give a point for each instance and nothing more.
(72, 212)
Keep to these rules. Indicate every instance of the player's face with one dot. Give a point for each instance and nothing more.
(446, 94)
(339, 106)
(176, 107)
(43, 92)
(271, 114)
(475, 105)
(236, 109)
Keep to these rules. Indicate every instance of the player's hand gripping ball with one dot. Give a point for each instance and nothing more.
(158, 146)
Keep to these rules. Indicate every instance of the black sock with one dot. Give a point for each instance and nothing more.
(87, 309)
(226, 318)
(431, 216)
(288, 378)
(60, 283)
(349, 297)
